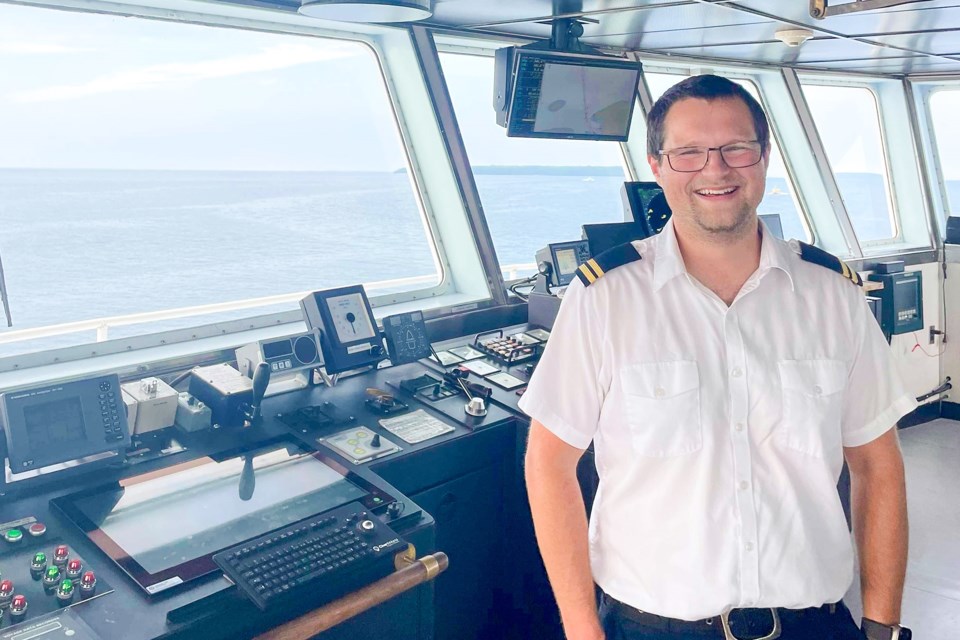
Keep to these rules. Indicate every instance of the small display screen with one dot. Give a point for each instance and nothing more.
(567, 261)
(277, 349)
(55, 423)
(350, 318)
(175, 522)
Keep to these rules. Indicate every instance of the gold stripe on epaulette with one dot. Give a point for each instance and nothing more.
(585, 270)
(846, 270)
(596, 268)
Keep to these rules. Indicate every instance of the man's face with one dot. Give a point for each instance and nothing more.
(717, 201)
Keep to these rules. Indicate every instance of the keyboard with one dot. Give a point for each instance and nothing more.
(317, 559)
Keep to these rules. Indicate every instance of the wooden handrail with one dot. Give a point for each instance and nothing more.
(329, 615)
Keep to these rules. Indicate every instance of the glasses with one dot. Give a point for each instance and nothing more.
(736, 155)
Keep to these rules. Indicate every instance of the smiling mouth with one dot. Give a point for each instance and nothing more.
(714, 193)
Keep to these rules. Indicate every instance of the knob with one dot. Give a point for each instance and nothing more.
(65, 591)
(74, 567)
(61, 554)
(88, 583)
(476, 407)
(375, 441)
(366, 527)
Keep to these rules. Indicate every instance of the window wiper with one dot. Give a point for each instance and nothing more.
(3, 296)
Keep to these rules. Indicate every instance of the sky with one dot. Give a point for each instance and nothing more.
(96, 91)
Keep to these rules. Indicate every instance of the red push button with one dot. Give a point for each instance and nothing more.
(60, 554)
(74, 567)
(37, 529)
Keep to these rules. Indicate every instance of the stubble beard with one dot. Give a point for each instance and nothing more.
(725, 231)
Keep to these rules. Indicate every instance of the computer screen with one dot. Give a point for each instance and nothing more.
(552, 94)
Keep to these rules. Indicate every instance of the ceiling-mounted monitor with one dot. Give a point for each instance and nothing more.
(553, 94)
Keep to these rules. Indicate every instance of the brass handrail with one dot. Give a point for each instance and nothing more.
(415, 572)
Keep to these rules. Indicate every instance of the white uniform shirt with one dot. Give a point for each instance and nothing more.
(718, 431)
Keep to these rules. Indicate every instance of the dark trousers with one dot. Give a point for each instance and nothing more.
(621, 622)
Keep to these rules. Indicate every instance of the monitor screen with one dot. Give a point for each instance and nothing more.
(163, 529)
(563, 95)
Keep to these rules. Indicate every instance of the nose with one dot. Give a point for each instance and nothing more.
(715, 163)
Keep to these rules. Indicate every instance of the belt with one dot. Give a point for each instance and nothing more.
(736, 624)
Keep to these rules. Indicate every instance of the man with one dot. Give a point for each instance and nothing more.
(722, 378)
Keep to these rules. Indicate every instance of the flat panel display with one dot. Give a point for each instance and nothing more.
(563, 95)
(163, 530)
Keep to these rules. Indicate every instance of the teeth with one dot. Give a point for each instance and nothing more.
(715, 192)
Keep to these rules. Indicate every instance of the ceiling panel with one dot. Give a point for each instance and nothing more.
(916, 64)
(940, 43)
(690, 37)
(909, 17)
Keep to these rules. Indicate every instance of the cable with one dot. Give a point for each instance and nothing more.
(917, 345)
(523, 283)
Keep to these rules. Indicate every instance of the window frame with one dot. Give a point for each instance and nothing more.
(462, 284)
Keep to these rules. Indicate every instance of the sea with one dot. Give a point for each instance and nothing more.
(84, 244)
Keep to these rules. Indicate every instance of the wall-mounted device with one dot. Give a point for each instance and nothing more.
(406, 336)
(64, 421)
(645, 204)
(349, 338)
(558, 262)
(291, 358)
(542, 93)
(901, 306)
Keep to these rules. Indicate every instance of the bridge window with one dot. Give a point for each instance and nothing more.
(944, 107)
(533, 191)
(849, 126)
(150, 166)
(781, 198)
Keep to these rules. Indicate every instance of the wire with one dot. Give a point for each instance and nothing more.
(917, 345)
(526, 282)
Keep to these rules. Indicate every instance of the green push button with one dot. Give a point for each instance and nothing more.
(13, 535)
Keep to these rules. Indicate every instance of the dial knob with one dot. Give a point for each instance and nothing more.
(366, 527)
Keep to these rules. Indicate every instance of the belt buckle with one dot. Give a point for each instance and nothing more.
(728, 633)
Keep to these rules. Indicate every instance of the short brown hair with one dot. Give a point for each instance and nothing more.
(705, 87)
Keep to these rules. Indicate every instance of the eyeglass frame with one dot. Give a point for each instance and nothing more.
(666, 153)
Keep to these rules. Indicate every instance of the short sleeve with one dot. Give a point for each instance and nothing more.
(566, 392)
(876, 396)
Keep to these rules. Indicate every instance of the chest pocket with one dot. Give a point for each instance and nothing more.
(812, 396)
(662, 407)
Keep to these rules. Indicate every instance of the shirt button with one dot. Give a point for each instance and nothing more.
(748, 546)
(659, 392)
(817, 390)
(738, 426)
(737, 372)
(744, 484)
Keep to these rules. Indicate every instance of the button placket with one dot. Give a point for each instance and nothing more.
(746, 509)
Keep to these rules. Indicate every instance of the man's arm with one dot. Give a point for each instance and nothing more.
(879, 502)
(560, 522)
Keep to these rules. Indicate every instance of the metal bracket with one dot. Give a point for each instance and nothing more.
(821, 9)
(3, 296)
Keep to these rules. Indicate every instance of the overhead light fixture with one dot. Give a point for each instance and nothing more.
(793, 37)
(367, 10)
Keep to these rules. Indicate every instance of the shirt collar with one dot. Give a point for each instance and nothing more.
(668, 262)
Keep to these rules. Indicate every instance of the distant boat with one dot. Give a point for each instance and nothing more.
(776, 191)
(588, 179)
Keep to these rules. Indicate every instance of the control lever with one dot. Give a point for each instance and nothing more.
(261, 378)
(248, 480)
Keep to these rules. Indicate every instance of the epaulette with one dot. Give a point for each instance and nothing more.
(810, 253)
(595, 267)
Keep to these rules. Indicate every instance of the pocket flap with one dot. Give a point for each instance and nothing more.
(813, 377)
(660, 379)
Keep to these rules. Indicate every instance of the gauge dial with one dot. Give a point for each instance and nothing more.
(350, 318)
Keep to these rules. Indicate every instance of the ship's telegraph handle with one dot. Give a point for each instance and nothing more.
(261, 378)
(409, 574)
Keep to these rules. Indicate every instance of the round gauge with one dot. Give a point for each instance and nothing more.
(350, 318)
(305, 349)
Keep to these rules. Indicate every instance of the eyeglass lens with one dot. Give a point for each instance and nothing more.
(735, 156)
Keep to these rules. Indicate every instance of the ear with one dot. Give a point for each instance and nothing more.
(654, 162)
